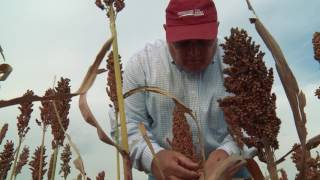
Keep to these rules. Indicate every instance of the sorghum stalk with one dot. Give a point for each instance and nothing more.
(54, 165)
(16, 159)
(41, 150)
(124, 134)
(23, 160)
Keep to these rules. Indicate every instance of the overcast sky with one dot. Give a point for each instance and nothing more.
(43, 38)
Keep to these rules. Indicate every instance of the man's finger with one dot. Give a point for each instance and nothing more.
(186, 162)
(234, 169)
(174, 178)
(184, 173)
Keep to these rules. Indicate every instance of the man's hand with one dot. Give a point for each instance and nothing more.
(174, 166)
(214, 159)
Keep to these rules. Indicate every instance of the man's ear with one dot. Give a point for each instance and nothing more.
(164, 26)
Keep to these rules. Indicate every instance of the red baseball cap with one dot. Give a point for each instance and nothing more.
(191, 19)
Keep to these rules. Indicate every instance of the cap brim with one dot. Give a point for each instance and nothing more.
(199, 31)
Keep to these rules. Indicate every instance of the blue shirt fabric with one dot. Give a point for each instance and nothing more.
(154, 66)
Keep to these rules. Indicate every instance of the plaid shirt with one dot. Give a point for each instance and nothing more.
(154, 66)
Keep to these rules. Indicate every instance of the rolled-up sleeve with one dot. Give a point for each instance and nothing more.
(229, 145)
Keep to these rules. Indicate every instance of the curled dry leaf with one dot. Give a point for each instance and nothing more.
(144, 134)
(294, 94)
(221, 172)
(2, 54)
(92, 71)
(5, 70)
(3, 132)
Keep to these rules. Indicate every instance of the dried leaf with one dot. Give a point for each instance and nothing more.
(220, 173)
(92, 72)
(1, 52)
(22, 99)
(254, 169)
(5, 70)
(313, 142)
(294, 94)
(79, 177)
(100, 71)
(289, 82)
(89, 118)
(143, 132)
(3, 132)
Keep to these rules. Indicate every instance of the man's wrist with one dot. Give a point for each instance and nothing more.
(147, 157)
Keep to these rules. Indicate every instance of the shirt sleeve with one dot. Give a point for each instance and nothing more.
(229, 146)
(136, 112)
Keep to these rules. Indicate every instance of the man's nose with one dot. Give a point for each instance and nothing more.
(193, 49)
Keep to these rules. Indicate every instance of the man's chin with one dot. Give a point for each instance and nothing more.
(193, 69)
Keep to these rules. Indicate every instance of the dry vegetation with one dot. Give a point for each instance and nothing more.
(250, 109)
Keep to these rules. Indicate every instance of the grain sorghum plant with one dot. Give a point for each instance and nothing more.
(101, 175)
(46, 116)
(6, 159)
(65, 158)
(252, 107)
(23, 126)
(317, 93)
(312, 165)
(3, 132)
(46, 110)
(118, 4)
(112, 93)
(316, 45)
(59, 122)
(63, 107)
(111, 81)
(24, 117)
(23, 160)
(35, 164)
(99, 4)
(182, 135)
(283, 175)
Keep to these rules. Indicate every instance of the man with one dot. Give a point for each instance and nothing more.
(189, 66)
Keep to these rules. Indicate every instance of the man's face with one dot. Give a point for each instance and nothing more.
(193, 55)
